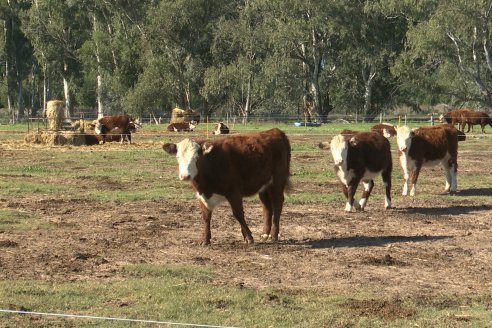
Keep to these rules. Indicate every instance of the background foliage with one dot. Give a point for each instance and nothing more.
(246, 58)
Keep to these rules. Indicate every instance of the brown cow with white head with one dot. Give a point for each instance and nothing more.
(361, 156)
(229, 169)
(428, 146)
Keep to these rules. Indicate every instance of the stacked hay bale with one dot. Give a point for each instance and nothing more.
(55, 113)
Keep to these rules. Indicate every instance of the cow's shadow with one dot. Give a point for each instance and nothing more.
(369, 241)
(450, 210)
(475, 192)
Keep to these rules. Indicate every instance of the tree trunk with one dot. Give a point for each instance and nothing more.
(100, 112)
(368, 78)
(7, 30)
(66, 90)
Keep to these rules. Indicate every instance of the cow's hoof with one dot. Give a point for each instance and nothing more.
(204, 243)
(265, 237)
(249, 241)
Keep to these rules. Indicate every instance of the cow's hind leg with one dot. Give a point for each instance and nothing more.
(368, 185)
(451, 169)
(236, 203)
(277, 195)
(386, 175)
(266, 200)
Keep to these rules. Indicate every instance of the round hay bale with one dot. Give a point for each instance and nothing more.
(55, 113)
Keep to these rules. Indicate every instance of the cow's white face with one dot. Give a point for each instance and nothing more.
(404, 138)
(187, 153)
(98, 128)
(339, 149)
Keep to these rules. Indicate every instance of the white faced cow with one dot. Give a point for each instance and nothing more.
(361, 156)
(231, 168)
(427, 146)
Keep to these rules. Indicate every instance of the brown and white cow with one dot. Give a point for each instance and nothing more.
(221, 128)
(231, 168)
(475, 118)
(181, 126)
(428, 146)
(117, 124)
(361, 156)
(454, 117)
(386, 129)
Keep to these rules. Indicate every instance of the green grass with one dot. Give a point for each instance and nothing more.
(184, 294)
(18, 220)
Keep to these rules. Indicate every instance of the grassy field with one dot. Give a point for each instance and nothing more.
(129, 176)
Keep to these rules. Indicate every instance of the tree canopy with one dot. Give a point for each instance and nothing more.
(275, 58)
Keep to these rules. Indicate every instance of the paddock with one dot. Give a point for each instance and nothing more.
(85, 213)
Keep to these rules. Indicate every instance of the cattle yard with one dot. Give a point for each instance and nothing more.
(109, 230)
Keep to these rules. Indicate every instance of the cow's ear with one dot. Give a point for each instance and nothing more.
(170, 148)
(207, 148)
(353, 141)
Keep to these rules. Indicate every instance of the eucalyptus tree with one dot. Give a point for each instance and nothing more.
(448, 54)
(17, 56)
(306, 32)
(179, 35)
(239, 49)
(371, 44)
(110, 56)
(57, 30)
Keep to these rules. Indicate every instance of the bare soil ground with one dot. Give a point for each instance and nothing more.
(423, 246)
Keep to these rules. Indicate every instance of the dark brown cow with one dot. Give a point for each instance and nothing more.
(475, 118)
(454, 117)
(181, 126)
(386, 129)
(427, 146)
(361, 156)
(235, 167)
(118, 124)
(112, 136)
(221, 128)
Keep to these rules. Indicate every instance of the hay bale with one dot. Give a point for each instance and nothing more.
(55, 138)
(55, 113)
(179, 115)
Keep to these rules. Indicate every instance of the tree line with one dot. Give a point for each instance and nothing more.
(244, 58)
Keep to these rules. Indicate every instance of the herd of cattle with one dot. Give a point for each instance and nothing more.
(231, 168)
(241, 165)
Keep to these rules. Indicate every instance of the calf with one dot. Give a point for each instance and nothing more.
(181, 126)
(361, 156)
(386, 129)
(221, 128)
(235, 167)
(454, 117)
(118, 124)
(473, 118)
(427, 146)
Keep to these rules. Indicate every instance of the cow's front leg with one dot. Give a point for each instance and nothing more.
(366, 193)
(413, 179)
(236, 203)
(206, 217)
(351, 189)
